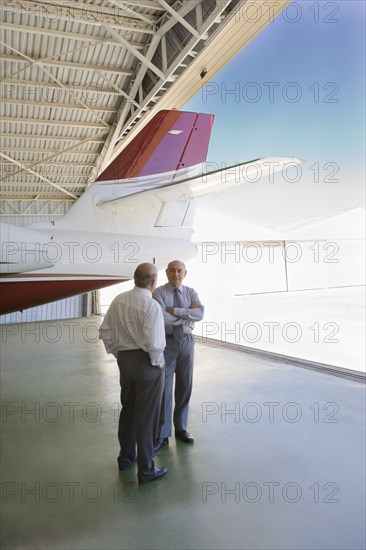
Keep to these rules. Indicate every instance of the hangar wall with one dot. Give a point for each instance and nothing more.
(351, 270)
(246, 267)
(63, 309)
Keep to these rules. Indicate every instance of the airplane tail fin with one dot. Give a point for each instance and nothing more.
(171, 141)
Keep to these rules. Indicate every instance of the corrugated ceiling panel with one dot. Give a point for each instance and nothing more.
(42, 107)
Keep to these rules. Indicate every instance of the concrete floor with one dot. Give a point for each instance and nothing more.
(278, 462)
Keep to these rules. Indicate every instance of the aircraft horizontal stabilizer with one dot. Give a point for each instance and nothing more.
(208, 183)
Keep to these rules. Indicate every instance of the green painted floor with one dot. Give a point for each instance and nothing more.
(278, 460)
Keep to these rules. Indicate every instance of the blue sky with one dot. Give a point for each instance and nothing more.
(296, 90)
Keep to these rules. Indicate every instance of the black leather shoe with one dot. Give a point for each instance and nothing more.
(123, 464)
(184, 436)
(156, 474)
(159, 443)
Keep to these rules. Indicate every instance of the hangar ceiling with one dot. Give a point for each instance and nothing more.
(78, 78)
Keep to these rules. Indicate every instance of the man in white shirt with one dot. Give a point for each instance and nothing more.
(181, 308)
(133, 331)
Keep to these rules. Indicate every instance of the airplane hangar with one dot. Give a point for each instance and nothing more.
(278, 457)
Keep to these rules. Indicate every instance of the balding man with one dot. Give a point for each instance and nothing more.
(181, 308)
(133, 331)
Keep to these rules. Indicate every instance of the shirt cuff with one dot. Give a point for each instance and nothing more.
(157, 359)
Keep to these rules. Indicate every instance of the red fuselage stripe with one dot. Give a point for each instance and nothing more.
(22, 295)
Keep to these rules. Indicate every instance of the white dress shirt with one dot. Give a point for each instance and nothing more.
(134, 321)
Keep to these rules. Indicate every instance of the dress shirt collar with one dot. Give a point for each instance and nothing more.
(142, 291)
(172, 288)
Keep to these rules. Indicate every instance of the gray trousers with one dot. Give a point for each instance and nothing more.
(179, 362)
(141, 393)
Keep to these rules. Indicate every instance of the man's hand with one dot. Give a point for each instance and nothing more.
(193, 306)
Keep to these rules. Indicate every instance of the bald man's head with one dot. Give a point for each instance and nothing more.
(177, 263)
(145, 275)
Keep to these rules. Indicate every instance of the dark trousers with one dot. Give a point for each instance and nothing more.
(141, 393)
(179, 363)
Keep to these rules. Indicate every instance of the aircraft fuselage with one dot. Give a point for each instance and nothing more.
(42, 265)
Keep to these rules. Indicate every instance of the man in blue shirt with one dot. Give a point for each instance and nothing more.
(181, 308)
